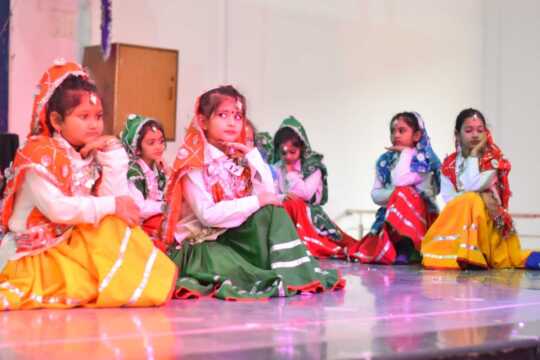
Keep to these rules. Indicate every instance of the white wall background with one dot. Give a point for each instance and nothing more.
(343, 68)
(511, 96)
(41, 31)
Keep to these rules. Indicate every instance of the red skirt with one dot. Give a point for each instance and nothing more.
(318, 245)
(407, 216)
(152, 227)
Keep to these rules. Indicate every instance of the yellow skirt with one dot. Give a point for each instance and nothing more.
(109, 265)
(464, 234)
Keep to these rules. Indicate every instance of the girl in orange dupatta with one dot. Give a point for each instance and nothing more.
(224, 225)
(69, 228)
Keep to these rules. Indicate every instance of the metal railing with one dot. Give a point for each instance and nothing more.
(362, 213)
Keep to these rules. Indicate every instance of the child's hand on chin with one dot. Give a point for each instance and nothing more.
(234, 147)
(479, 148)
(101, 143)
(396, 148)
(166, 168)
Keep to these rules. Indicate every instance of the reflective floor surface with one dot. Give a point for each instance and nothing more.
(384, 312)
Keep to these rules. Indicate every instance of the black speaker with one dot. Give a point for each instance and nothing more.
(9, 143)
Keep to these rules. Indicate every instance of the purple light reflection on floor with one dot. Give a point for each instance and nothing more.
(383, 311)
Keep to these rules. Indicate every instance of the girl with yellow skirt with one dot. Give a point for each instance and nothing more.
(475, 229)
(67, 220)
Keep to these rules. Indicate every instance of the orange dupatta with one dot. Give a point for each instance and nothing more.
(189, 156)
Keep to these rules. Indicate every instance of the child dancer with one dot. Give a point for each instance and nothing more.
(71, 238)
(475, 229)
(233, 241)
(406, 184)
(144, 141)
(302, 178)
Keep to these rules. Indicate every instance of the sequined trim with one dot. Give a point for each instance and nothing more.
(415, 212)
(290, 264)
(405, 221)
(315, 241)
(440, 257)
(469, 247)
(36, 298)
(152, 182)
(363, 256)
(123, 247)
(287, 245)
(445, 238)
(320, 271)
(146, 275)
(36, 126)
(133, 144)
(383, 251)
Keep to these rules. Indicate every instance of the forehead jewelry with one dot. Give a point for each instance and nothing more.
(93, 99)
(154, 129)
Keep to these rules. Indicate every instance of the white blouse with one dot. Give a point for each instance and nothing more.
(401, 175)
(297, 185)
(202, 218)
(76, 209)
(470, 179)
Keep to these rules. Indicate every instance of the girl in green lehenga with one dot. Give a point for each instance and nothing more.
(224, 224)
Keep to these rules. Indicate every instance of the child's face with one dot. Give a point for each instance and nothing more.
(225, 124)
(403, 134)
(472, 132)
(250, 137)
(152, 145)
(82, 124)
(290, 153)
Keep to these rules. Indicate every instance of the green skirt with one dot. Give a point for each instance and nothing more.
(262, 258)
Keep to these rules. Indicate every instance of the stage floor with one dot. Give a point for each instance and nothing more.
(385, 312)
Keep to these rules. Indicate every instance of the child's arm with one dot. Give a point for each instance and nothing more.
(305, 188)
(474, 180)
(114, 165)
(381, 194)
(224, 214)
(261, 175)
(147, 207)
(448, 191)
(278, 179)
(63, 209)
(402, 174)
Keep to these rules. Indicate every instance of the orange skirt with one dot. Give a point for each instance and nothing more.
(109, 265)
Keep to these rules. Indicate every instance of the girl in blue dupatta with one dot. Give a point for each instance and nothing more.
(406, 184)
